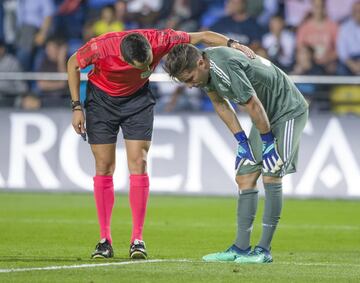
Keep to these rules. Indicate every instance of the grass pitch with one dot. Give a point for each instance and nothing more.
(317, 241)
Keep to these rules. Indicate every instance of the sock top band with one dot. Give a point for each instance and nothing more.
(272, 186)
(248, 191)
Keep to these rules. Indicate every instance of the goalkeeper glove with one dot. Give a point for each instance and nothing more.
(271, 159)
(244, 153)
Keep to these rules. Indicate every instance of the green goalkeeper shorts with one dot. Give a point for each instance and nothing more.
(288, 136)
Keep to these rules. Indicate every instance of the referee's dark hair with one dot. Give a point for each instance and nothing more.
(182, 57)
(135, 47)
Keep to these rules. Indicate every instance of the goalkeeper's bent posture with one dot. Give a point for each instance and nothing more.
(279, 113)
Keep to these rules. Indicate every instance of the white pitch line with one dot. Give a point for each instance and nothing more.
(79, 266)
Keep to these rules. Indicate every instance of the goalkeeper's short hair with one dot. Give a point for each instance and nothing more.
(182, 57)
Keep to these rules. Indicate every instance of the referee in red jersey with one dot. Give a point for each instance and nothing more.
(118, 96)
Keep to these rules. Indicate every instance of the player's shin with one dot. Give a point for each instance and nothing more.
(272, 212)
(246, 211)
(104, 199)
(138, 197)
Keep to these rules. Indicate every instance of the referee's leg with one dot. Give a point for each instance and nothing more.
(104, 155)
(136, 151)
(104, 195)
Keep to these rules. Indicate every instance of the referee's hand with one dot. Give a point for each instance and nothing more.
(78, 122)
(244, 49)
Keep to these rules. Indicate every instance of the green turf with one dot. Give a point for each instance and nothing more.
(317, 241)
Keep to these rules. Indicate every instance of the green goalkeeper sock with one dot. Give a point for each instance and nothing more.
(246, 211)
(272, 211)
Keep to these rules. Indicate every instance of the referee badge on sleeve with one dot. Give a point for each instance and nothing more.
(145, 74)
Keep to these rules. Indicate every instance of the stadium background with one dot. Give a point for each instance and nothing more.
(37, 37)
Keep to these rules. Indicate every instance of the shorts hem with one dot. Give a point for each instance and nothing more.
(279, 175)
(249, 172)
(138, 138)
(104, 142)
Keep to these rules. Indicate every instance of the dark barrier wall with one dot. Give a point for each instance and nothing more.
(189, 154)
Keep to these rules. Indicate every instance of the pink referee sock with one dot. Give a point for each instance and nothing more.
(104, 199)
(138, 196)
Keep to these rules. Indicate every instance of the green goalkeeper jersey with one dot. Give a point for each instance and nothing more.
(236, 77)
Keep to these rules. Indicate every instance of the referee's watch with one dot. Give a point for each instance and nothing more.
(231, 41)
(75, 104)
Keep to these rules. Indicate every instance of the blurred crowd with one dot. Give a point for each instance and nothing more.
(303, 37)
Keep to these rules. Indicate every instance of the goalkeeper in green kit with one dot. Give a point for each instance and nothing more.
(279, 113)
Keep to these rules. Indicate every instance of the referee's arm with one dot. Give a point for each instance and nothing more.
(211, 38)
(78, 119)
(73, 72)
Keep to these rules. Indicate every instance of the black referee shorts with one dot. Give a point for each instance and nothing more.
(105, 114)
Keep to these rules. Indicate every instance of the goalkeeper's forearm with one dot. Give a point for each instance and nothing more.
(258, 115)
(228, 115)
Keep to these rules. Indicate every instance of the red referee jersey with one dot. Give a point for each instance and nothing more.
(113, 75)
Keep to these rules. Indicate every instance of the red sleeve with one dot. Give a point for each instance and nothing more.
(168, 38)
(88, 54)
